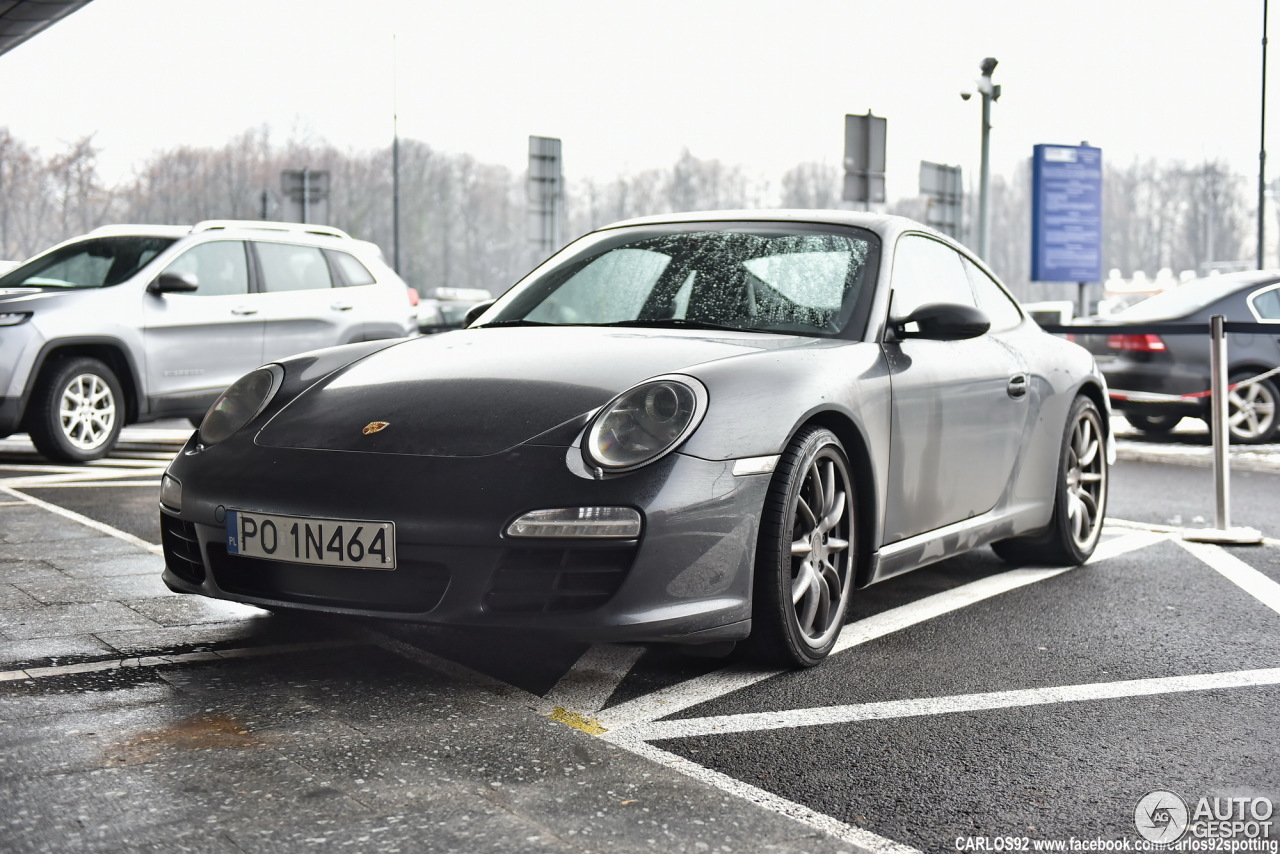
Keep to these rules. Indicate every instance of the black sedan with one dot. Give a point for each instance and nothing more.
(699, 428)
(1157, 380)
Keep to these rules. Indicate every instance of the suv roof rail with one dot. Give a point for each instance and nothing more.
(263, 225)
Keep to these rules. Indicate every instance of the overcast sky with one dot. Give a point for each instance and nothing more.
(628, 85)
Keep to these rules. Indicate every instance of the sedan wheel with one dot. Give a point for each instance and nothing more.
(77, 412)
(1251, 411)
(1080, 499)
(804, 562)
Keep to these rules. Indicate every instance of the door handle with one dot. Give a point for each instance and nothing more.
(341, 306)
(1017, 386)
(244, 310)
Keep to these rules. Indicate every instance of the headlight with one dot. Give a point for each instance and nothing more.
(13, 318)
(644, 423)
(240, 404)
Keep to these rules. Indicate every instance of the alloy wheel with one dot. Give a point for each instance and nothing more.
(821, 564)
(87, 411)
(1086, 478)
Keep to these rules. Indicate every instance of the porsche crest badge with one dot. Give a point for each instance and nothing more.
(375, 427)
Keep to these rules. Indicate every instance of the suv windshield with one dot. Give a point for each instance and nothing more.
(97, 262)
(796, 279)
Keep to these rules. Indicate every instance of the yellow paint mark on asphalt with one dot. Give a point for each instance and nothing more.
(590, 726)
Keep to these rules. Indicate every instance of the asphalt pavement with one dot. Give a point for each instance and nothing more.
(967, 701)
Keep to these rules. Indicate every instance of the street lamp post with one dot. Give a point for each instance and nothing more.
(989, 93)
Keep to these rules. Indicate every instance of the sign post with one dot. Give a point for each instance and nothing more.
(1066, 216)
(864, 158)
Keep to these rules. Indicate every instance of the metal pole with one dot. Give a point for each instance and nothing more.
(1262, 151)
(1221, 433)
(395, 163)
(306, 193)
(984, 179)
(1222, 532)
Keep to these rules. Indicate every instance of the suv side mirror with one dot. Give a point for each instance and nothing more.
(174, 283)
(475, 311)
(941, 321)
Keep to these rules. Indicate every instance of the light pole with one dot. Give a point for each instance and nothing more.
(989, 93)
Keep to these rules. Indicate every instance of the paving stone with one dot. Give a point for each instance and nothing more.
(178, 610)
(60, 620)
(65, 591)
(51, 652)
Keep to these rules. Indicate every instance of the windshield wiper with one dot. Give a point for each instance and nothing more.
(517, 322)
(675, 323)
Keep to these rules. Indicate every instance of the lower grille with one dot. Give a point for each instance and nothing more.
(181, 548)
(413, 587)
(546, 580)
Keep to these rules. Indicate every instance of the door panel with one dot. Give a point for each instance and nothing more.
(203, 341)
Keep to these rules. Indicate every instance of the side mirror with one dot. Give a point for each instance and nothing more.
(941, 321)
(174, 283)
(475, 311)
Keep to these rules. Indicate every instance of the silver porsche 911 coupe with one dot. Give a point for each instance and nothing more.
(694, 428)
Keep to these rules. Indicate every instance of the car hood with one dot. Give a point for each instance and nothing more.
(477, 392)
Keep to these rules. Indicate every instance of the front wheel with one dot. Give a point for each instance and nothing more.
(805, 556)
(1080, 497)
(77, 411)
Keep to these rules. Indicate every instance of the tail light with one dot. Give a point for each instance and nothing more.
(1136, 343)
(413, 296)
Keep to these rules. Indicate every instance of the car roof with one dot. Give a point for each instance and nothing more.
(1185, 299)
(884, 224)
(241, 227)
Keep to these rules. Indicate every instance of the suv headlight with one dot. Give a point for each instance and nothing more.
(644, 423)
(240, 404)
(13, 318)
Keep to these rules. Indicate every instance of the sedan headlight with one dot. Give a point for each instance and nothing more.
(644, 423)
(240, 404)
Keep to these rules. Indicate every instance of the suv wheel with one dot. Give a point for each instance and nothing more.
(77, 411)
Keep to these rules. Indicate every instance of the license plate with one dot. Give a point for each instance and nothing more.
(304, 539)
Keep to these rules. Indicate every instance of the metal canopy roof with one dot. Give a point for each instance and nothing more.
(22, 19)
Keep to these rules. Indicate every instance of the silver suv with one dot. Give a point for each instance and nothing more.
(139, 322)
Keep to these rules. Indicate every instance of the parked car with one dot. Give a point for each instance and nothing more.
(692, 428)
(140, 322)
(443, 309)
(1157, 380)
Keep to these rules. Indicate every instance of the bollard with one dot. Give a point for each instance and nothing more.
(1223, 533)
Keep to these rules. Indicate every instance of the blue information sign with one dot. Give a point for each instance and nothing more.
(1066, 214)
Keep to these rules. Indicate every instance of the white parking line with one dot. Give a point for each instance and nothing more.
(668, 701)
(1237, 572)
(83, 520)
(928, 706)
(593, 678)
(177, 658)
(864, 841)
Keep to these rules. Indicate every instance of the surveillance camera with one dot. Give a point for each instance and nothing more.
(966, 95)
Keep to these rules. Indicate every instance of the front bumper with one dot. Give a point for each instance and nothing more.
(687, 577)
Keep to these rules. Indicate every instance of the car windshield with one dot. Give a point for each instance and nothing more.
(799, 279)
(98, 262)
(1185, 299)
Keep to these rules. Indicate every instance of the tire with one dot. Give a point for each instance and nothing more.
(1153, 425)
(1251, 411)
(1080, 497)
(77, 411)
(804, 568)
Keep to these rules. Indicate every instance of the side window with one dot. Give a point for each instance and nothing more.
(286, 267)
(1266, 304)
(352, 271)
(220, 267)
(992, 299)
(926, 271)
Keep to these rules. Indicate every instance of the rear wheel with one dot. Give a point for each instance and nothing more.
(77, 411)
(804, 560)
(1080, 499)
(1251, 411)
(1155, 425)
